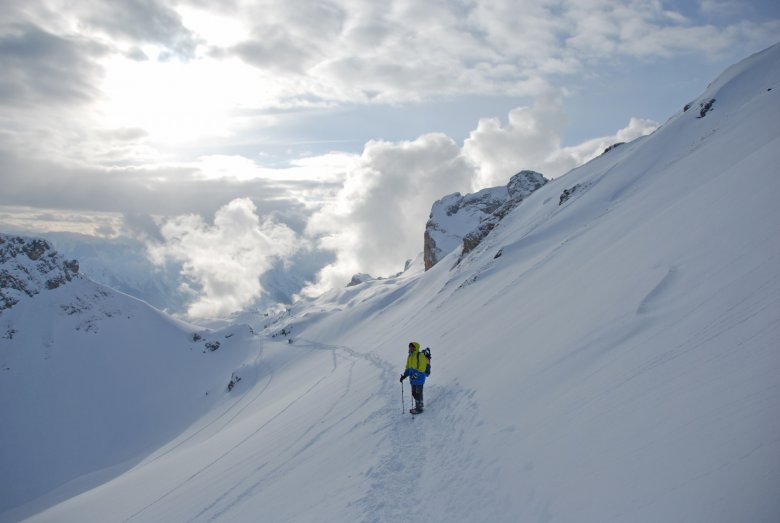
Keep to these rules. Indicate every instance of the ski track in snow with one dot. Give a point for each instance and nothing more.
(248, 484)
(295, 449)
(228, 452)
(224, 413)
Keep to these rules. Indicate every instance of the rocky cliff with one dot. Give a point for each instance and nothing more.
(458, 220)
(29, 266)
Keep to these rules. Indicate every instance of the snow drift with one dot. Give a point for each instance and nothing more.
(610, 351)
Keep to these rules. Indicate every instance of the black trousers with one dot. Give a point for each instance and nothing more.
(417, 393)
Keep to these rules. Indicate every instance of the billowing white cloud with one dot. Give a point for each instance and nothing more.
(378, 218)
(529, 137)
(561, 161)
(532, 139)
(223, 262)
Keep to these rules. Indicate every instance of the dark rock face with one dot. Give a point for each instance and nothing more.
(705, 107)
(430, 249)
(35, 248)
(576, 190)
(567, 193)
(613, 146)
(29, 266)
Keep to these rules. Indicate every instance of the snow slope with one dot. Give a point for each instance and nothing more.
(91, 378)
(611, 357)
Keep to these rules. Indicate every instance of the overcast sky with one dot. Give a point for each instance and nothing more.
(325, 128)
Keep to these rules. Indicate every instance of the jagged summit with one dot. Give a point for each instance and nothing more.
(458, 220)
(29, 266)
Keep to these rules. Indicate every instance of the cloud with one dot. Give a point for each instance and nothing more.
(389, 53)
(377, 219)
(404, 50)
(43, 68)
(597, 30)
(39, 220)
(137, 22)
(530, 135)
(223, 262)
(563, 160)
(199, 187)
(142, 226)
(532, 139)
(296, 54)
(293, 35)
(274, 49)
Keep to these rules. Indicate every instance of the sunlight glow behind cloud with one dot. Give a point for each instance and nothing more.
(175, 102)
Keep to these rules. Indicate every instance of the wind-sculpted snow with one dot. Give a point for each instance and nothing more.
(609, 357)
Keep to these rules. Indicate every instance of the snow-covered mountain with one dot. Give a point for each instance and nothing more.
(123, 264)
(91, 379)
(609, 351)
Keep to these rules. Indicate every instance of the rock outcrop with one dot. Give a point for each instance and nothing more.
(458, 220)
(357, 279)
(29, 266)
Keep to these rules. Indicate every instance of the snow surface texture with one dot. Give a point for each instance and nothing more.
(618, 361)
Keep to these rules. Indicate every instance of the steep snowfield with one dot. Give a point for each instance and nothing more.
(92, 379)
(612, 358)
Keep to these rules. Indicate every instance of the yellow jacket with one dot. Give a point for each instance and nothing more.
(417, 365)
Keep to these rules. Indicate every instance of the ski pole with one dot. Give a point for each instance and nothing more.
(403, 403)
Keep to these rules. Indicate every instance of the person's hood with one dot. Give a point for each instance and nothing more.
(415, 347)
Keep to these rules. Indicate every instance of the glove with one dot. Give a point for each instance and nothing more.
(403, 377)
